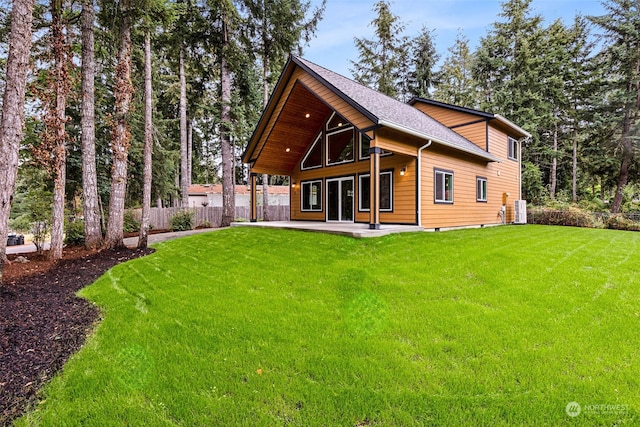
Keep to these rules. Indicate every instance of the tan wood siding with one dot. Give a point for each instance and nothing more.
(404, 189)
(465, 210)
(446, 116)
(476, 133)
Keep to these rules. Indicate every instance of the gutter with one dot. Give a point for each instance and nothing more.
(419, 195)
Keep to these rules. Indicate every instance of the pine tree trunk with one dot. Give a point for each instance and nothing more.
(90, 204)
(554, 164)
(184, 149)
(190, 151)
(265, 101)
(120, 135)
(574, 168)
(148, 144)
(627, 158)
(228, 190)
(12, 123)
(60, 119)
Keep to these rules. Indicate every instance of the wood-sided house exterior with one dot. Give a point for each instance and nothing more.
(356, 155)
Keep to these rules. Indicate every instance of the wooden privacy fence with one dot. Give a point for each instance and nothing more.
(160, 218)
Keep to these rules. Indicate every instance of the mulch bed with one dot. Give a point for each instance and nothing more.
(42, 322)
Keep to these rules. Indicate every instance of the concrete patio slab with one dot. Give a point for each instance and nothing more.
(355, 230)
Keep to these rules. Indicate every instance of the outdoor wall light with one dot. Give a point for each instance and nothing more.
(403, 171)
(307, 115)
(287, 149)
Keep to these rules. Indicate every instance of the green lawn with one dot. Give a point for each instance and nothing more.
(258, 327)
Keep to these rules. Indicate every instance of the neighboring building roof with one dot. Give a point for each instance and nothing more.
(390, 112)
(204, 189)
(509, 124)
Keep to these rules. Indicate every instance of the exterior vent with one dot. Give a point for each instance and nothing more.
(520, 212)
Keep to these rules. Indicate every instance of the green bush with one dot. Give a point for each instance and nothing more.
(74, 233)
(130, 224)
(182, 221)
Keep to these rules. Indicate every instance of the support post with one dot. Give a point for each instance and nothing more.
(374, 180)
(254, 197)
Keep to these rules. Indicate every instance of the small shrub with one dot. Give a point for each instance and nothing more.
(593, 205)
(620, 222)
(571, 216)
(40, 232)
(130, 224)
(74, 233)
(182, 221)
(204, 224)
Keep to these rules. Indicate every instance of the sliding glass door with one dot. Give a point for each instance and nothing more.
(340, 199)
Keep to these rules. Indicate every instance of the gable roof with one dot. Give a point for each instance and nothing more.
(517, 130)
(380, 109)
(389, 112)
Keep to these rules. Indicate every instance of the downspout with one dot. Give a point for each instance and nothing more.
(420, 181)
(524, 140)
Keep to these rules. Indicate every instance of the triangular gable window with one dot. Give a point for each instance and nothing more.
(313, 158)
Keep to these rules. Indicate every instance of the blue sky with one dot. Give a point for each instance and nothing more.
(333, 47)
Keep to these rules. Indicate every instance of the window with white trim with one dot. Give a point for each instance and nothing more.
(443, 190)
(313, 158)
(513, 148)
(386, 192)
(481, 189)
(311, 196)
(340, 146)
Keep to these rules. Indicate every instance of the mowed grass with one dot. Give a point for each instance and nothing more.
(499, 326)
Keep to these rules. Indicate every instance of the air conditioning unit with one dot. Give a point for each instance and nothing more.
(520, 212)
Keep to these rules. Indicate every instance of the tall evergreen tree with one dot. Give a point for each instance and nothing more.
(90, 204)
(12, 121)
(455, 81)
(381, 59)
(621, 57)
(58, 122)
(419, 79)
(121, 135)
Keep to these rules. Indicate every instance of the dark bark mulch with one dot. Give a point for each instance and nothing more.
(42, 322)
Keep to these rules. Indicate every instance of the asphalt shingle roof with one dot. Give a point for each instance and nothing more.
(392, 111)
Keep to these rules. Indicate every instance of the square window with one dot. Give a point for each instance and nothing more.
(513, 148)
(386, 192)
(311, 196)
(443, 186)
(481, 189)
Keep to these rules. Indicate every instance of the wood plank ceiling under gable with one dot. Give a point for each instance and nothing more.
(293, 131)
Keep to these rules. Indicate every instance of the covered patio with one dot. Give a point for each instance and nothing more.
(355, 230)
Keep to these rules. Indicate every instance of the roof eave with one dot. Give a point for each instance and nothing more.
(512, 125)
(284, 77)
(362, 110)
(467, 110)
